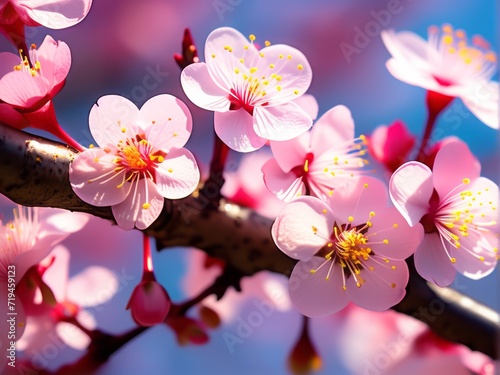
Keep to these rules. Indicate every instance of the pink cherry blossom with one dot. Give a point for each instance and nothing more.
(245, 188)
(32, 234)
(458, 210)
(390, 145)
(141, 160)
(27, 87)
(317, 161)
(251, 91)
(73, 297)
(24, 242)
(350, 248)
(30, 84)
(59, 14)
(449, 65)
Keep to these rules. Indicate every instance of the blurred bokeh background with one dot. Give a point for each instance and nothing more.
(125, 47)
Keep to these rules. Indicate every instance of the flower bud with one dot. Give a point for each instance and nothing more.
(149, 303)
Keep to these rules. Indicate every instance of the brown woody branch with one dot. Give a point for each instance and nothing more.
(34, 172)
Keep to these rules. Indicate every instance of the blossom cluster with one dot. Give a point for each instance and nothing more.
(350, 230)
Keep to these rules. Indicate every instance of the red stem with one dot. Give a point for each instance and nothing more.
(148, 274)
(436, 103)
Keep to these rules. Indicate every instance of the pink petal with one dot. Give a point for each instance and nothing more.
(27, 259)
(72, 336)
(7, 62)
(402, 240)
(95, 285)
(311, 293)
(221, 60)
(167, 122)
(482, 100)
(11, 117)
(55, 62)
(432, 263)
(235, 129)
(97, 166)
(200, 88)
(309, 104)
(282, 122)
(383, 286)
(56, 276)
(411, 75)
(56, 15)
(291, 153)
(303, 227)
(178, 175)
(411, 189)
(407, 47)
(132, 212)
(294, 81)
(113, 119)
(354, 199)
(454, 162)
(21, 89)
(472, 247)
(286, 186)
(335, 128)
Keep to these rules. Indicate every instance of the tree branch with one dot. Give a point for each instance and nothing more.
(34, 172)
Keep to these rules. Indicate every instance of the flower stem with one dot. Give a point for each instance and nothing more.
(66, 138)
(436, 103)
(147, 258)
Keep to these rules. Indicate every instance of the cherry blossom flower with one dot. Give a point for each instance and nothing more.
(350, 248)
(251, 91)
(32, 234)
(24, 242)
(27, 87)
(458, 210)
(75, 296)
(317, 161)
(447, 64)
(59, 14)
(244, 188)
(390, 145)
(141, 161)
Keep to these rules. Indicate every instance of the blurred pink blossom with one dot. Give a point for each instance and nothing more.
(350, 248)
(251, 91)
(73, 296)
(448, 65)
(457, 209)
(390, 145)
(316, 162)
(246, 187)
(141, 160)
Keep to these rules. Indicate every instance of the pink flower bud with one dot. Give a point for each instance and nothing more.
(149, 303)
(390, 145)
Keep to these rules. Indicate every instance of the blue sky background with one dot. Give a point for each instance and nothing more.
(121, 42)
